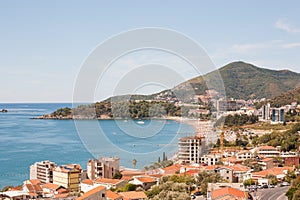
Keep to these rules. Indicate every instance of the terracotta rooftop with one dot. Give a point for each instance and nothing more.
(146, 179)
(113, 196)
(267, 147)
(274, 171)
(172, 169)
(91, 192)
(133, 195)
(228, 191)
(88, 182)
(51, 186)
(108, 181)
(35, 182)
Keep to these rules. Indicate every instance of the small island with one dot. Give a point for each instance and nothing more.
(4, 111)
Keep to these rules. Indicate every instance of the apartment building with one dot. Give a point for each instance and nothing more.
(268, 152)
(42, 171)
(67, 176)
(105, 167)
(210, 159)
(191, 149)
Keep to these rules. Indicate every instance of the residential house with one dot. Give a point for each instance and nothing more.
(268, 152)
(227, 193)
(98, 193)
(113, 196)
(144, 181)
(134, 195)
(266, 163)
(110, 183)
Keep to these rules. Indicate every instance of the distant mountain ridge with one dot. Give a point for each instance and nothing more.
(246, 81)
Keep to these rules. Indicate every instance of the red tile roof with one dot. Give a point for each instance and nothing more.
(91, 192)
(228, 191)
(146, 179)
(113, 196)
(108, 181)
(51, 186)
(88, 182)
(133, 195)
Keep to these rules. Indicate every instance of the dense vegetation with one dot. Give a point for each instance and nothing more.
(130, 109)
(294, 191)
(246, 81)
(180, 186)
(237, 120)
(288, 140)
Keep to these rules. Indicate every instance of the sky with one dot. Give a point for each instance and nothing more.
(43, 44)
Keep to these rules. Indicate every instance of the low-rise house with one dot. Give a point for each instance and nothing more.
(268, 152)
(17, 195)
(291, 161)
(133, 195)
(144, 181)
(210, 159)
(216, 186)
(173, 169)
(110, 183)
(98, 193)
(279, 172)
(266, 163)
(113, 196)
(51, 190)
(244, 155)
(228, 193)
(33, 187)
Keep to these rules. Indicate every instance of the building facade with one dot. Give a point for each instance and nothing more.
(191, 149)
(42, 171)
(67, 176)
(105, 167)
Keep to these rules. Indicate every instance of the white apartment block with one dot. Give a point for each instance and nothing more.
(42, 171)
(191, 149)
(105, 167)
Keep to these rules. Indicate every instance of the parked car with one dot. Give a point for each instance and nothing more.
(285, 184)
(193, 196)
(271, 186)
(259, 186)
(265, 186)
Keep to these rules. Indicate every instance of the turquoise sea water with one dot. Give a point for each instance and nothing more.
(25, 140)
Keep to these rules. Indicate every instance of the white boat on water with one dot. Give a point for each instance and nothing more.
(140, 122)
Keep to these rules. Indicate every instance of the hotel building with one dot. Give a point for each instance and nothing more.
(190, 149)
(42, 171)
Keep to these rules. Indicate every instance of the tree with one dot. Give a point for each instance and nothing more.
(129, 187)
(164, 156)
(134, 161)
(204, 177)
(117, 175)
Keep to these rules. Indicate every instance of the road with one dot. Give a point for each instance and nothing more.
(277, 193)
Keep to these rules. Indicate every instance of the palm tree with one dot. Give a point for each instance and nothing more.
(134, 162)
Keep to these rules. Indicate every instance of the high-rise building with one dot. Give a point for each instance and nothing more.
(105, 167)
(266, 112)
(277, 115)
(191, 149)
(67, 176)
(42, 171)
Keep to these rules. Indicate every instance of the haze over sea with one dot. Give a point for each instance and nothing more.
(25, 141)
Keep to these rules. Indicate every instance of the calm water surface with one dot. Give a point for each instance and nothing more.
(25, 140)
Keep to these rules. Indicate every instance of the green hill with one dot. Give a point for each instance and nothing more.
(245, 81)
(286, 98)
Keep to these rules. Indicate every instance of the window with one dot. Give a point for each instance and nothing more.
(103, 194)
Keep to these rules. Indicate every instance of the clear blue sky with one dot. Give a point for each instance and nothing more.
(43, 43)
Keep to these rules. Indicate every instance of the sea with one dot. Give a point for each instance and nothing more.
(25, 140)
